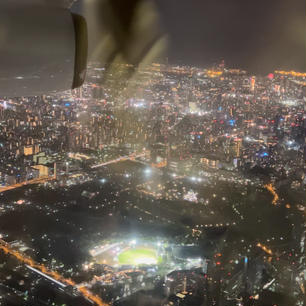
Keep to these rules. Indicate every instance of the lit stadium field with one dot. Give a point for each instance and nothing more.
(139, 256)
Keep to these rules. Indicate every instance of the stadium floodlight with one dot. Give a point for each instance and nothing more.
(147, 171)
(289, 142)
(86, 267)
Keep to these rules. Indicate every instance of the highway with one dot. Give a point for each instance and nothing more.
(39, 180)
(49, 274)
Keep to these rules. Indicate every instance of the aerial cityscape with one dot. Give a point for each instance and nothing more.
(155, 185)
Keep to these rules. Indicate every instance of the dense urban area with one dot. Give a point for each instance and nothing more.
(155, 185)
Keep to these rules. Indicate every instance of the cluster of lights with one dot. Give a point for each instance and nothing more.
(191, 196)
(216, 225)
(289, 102)
(212, 73)
(292, 73)
(196, 179)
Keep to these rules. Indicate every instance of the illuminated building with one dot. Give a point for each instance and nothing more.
(28, 150)
(277, 89)
(36, 149)
(212, 163)
(43, 170)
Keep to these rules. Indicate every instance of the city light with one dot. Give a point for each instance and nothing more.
(272, 190)
(43, 270)
(147, 176)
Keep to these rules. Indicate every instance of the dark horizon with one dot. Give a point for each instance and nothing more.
(257, 36)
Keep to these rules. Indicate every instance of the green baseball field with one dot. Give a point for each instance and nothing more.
(139, 256)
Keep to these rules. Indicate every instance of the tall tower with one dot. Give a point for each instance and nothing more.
(185, 285)
(222, 65)
(54, 172)
(238, 148)
(252, 83)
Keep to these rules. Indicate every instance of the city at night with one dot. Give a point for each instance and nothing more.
(169, 175)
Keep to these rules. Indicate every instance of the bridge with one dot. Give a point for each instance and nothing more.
(44, 179)
(39, 180)
(132, 156)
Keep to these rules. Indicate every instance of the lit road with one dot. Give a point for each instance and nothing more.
(39, 180)
(52, 275)
(264, 248)
(29, 182)
(272, 190)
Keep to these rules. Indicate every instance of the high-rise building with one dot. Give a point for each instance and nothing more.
(252, 83)
(238, 147)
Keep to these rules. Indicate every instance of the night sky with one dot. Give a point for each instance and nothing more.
(259, 36)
